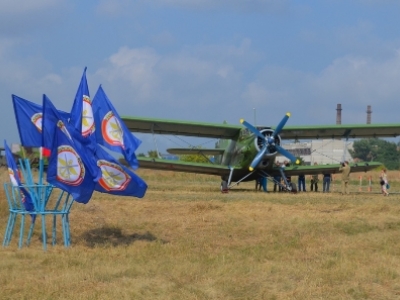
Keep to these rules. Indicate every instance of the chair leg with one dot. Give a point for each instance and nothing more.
(28, 240)
(65, 229)
(9, 230)
(44, 237)
(21, 231)
(54, 233)
(67, 239)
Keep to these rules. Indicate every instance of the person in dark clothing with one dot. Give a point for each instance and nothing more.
(277, 179)
(326, 182)
(261, 182)
(314, 181)
(302, 182)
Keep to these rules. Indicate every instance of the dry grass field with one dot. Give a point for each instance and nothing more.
(186, 240)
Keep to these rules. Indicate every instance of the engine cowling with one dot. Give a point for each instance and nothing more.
(268, 134)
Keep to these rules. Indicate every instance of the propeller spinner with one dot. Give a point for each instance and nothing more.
(268, 142)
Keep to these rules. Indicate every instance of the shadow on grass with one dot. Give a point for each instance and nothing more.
(112, 236)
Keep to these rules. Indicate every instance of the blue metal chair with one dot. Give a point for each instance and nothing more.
(47, 202)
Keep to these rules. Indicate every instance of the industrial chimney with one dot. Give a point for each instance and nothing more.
(339, 114)
(369, 111)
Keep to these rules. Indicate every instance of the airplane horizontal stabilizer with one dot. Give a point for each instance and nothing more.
(191, 151)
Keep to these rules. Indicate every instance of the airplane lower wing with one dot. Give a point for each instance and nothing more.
(224, 171)
(329, 169)
(181, 166)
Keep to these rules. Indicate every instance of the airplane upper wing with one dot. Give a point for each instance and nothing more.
(226, 131)
(329, 169)
(186, 128)
(340, 131)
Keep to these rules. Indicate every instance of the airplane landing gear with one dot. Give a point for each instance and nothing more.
(224, 186)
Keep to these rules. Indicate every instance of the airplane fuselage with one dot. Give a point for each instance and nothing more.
(240, 152)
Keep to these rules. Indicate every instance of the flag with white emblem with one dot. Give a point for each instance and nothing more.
(112, 133)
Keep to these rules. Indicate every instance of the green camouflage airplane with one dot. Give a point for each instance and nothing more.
(246, 152)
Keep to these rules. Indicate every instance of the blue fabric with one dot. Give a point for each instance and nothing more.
(50, 119)
(82, 118)
(117, 179)
(70, 168)
(111, 131)
(16, 181)
(29, 121)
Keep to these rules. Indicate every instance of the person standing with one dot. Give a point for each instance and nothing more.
(302, 182)
(261, 182)
(314, 181)
(277, 180)
(326, 182)
(384, 182)
(345, 169)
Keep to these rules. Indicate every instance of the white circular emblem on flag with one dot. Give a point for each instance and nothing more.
(61, 125)
(111, 130)
(70, 169)
(113, 176)
(87, 117)
(37, 121)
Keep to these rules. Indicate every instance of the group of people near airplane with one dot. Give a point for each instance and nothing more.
(314, 180)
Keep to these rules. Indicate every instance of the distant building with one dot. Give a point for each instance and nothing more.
(329, 151)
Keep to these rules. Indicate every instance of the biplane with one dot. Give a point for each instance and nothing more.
(246, 152)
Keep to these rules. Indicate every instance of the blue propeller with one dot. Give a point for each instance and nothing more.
(269, 141)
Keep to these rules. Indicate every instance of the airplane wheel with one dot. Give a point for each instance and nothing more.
(224, 186)
(294, 188)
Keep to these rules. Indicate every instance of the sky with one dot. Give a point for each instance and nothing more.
(205, 60)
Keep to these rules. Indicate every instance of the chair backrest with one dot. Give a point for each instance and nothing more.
(46, 199)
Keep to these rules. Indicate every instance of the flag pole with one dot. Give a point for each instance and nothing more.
(40, 165)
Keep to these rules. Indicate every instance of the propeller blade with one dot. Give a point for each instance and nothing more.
(286, 153)
(252, 128)
(257, 158)
(281, 124)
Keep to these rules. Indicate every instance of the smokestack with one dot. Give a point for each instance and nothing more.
(369, 111)
(339, 114)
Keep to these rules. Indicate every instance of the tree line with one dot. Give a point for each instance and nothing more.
(374, 149)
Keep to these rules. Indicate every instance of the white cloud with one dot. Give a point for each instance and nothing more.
(200, 73)
(353, 81)
(134, 67)
(361, 80)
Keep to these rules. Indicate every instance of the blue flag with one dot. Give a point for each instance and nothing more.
(113, 133)
(50, 119)
(29, 121)
(29, 117)
(82, 118)
(69, 167)
(117, 179)
(16, 180)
